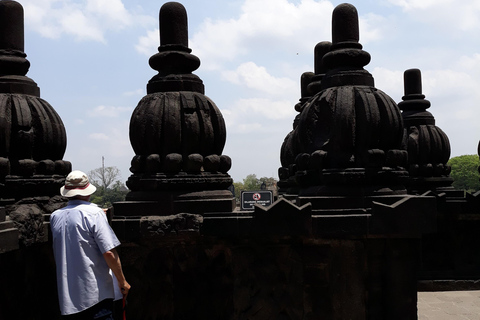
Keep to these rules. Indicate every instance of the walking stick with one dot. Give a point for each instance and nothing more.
(124, 304)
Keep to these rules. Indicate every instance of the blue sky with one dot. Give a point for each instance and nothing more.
(90, 60)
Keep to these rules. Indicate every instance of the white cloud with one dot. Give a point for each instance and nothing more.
(265, 108)
(76, 23)
(259, 115)
(149, 43)
(270, 27)
(444, 14)
(257, 78)
(111, 12)
(108, 111)
(416, 4)
(263, 26)
(84, 20)
(138, 92)
(249, 127)
(372, 27)
(98, 136)
(389, 81)
(470, 63)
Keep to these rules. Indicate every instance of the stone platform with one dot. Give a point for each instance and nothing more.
(449, 305)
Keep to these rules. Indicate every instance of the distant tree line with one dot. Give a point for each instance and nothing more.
(465, 172)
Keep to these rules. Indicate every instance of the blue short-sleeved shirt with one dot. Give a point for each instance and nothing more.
(81, 235)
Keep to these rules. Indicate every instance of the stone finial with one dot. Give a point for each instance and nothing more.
(428, 146)
(11, 26)
(174, 62)
(346, 52)
(414, 104)
(345, 30)
(12, 57)
(13, 63)
(412, 83)
(173, 25)
(305, 80)
(321, 49)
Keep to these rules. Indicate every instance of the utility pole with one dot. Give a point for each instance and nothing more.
(103, 181)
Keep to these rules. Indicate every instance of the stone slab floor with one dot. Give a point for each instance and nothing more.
(449, 305)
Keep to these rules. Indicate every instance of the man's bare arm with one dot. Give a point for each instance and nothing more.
(113, 261)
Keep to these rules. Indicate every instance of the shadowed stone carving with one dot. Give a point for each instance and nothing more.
(428, 146)
(178, 134)
(310, 84)
(350, 134)
(32, 143)
(33, 137)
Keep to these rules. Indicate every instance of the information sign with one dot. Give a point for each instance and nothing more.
(261, 197)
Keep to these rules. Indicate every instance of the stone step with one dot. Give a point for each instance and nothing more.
(8, 238)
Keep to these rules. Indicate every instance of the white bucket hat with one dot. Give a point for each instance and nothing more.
(77, 184)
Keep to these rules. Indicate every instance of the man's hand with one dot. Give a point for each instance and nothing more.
(124, 287)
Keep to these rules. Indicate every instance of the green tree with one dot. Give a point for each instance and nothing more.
(106, 197)
(251, 182)
(109, 188)
(270, 183)
(238, 190)
(104, 176)
(465, 172)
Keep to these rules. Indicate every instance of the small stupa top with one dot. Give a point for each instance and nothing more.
(349, 132)
(346, 52)
(428, 146)
(174, 61)
(33, 138)
(414, 104)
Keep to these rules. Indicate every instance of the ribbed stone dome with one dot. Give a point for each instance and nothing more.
(30, 128)
(349, 132)
(182, 122)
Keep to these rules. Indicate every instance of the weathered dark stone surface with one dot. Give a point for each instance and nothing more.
(261, 265)
(451, 253)
(346, 247)
(349, 134)
(29, 217)
(9, 234)
(29, 220)
(33, 137)
(178, 134)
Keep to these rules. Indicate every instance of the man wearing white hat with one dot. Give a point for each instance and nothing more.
(84, 249)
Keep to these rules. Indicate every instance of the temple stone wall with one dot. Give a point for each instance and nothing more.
(179, 270)
(270, 278)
